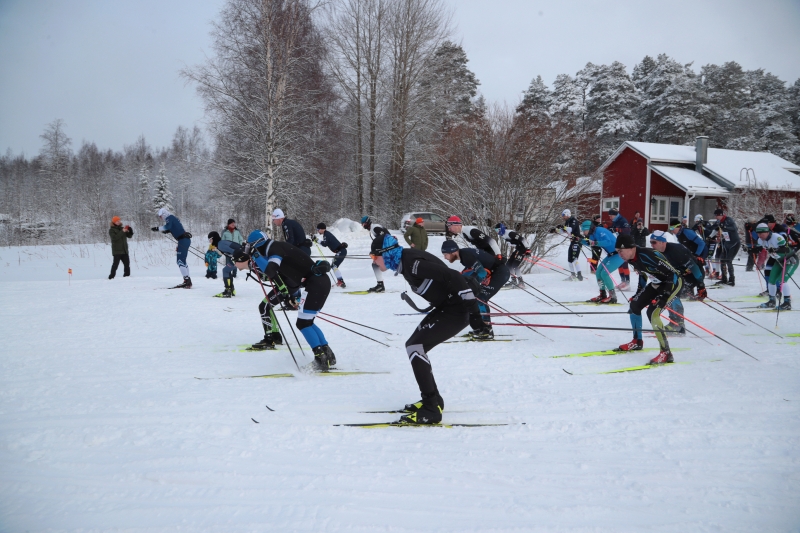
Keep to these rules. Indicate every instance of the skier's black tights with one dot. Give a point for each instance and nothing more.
(441, 324)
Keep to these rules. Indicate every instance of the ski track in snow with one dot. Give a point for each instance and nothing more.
(104, 428)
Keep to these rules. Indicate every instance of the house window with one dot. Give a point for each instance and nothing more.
(664, 207)
(789, 205)
(610, 203)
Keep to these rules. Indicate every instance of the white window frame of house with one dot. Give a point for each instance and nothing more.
(657, 216)
(608, 203)
(789, 205)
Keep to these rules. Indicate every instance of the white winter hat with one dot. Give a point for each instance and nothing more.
(566, 213)
(278, 214)
(164, 213)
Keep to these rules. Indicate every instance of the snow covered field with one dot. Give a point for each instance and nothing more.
(103, 426)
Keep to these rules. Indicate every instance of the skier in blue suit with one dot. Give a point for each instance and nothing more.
(607, 241)
(173, 225)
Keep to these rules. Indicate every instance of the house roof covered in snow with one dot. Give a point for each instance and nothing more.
(691, 181)
(728, 168)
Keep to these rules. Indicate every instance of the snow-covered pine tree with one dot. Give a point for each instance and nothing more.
(611, 107)
(568, 101)
(731, 120)
(672, 108)
(771, 102)
(143, 188)
(535, 102)
(452, 86)
(162, 197)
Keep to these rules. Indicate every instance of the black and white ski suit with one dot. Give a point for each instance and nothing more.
(572, 230)
(454, 307)
(375, 230)
(518, 254)
(665, 286)
(473, 236)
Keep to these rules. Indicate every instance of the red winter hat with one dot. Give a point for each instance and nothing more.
(115, 220)
(419, 220)
(453, 221)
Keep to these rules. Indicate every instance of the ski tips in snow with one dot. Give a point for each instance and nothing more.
(407, 425)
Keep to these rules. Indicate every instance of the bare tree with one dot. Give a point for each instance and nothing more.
(416, 29)
(261, 96)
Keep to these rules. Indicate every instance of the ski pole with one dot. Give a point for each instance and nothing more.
(252, 265)
(783, 282)
(551, 299)
(709, 332)
(351, 331)
(537, 297)
(325, 258)
(540, 260)
(196, 252)
(559, 326)
(512, 317)
(720, 312)
(559, 313)
(742, 316)
(685, 328)
(356, 323)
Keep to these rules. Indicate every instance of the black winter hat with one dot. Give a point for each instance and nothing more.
(625, 241)
(718, 212)
(449, 246)
(322, 225)
(673, 222)
(769, 218)
(790, 219)
(215, 238)
(613, 212)
(230, 221)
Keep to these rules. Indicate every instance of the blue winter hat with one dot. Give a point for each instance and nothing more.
(658, 236)
(586, 225)
(449, 246)
(257, 238)
(364, 219)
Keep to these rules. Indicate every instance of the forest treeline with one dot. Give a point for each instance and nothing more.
(369, 107)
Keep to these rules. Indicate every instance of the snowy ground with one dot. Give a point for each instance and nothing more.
(103, 426)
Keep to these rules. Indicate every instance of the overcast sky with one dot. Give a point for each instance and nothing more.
(109, 68)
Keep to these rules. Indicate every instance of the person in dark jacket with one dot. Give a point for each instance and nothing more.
(288, 269)
(417, 236)
(750, 242)
(729, 243)
(571, 229)
(327, 239)
(640, 233)
(453, 307)
(485, 275)
(119, 247)
(293, 232)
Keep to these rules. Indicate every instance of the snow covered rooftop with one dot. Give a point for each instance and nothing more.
(729, 166)
(691, 181)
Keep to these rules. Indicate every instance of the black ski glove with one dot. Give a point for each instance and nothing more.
(344, 245)
(306, 242)
(321, 268)
(154, 228)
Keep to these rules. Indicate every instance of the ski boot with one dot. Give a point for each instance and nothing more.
(572, 277)
(331, 356)
(786, 305)
(416, 406)
(731, 281)
(769, 304)
(322, 362)
(426, 411)
(377, 288)
(227, 292)
(600, 297)
(580, 276)
(267, 343)
(610, 299)
(624, 285)
(664, 356)
(633, 346)
(277, 338)
(187, 284)
(483, 334)
(764, 294)
(520, 283)
(233, 290)
(675, 329)
(701, 295)
(340, 283)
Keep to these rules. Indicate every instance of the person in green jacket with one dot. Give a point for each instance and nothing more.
(416, 236)
(119, 247)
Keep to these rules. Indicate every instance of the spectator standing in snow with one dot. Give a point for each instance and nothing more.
(119, 247)
(232, 233)
(417, 236)
(640, 233)
(212, 255)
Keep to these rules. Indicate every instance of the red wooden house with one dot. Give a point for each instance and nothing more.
(664, 180)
